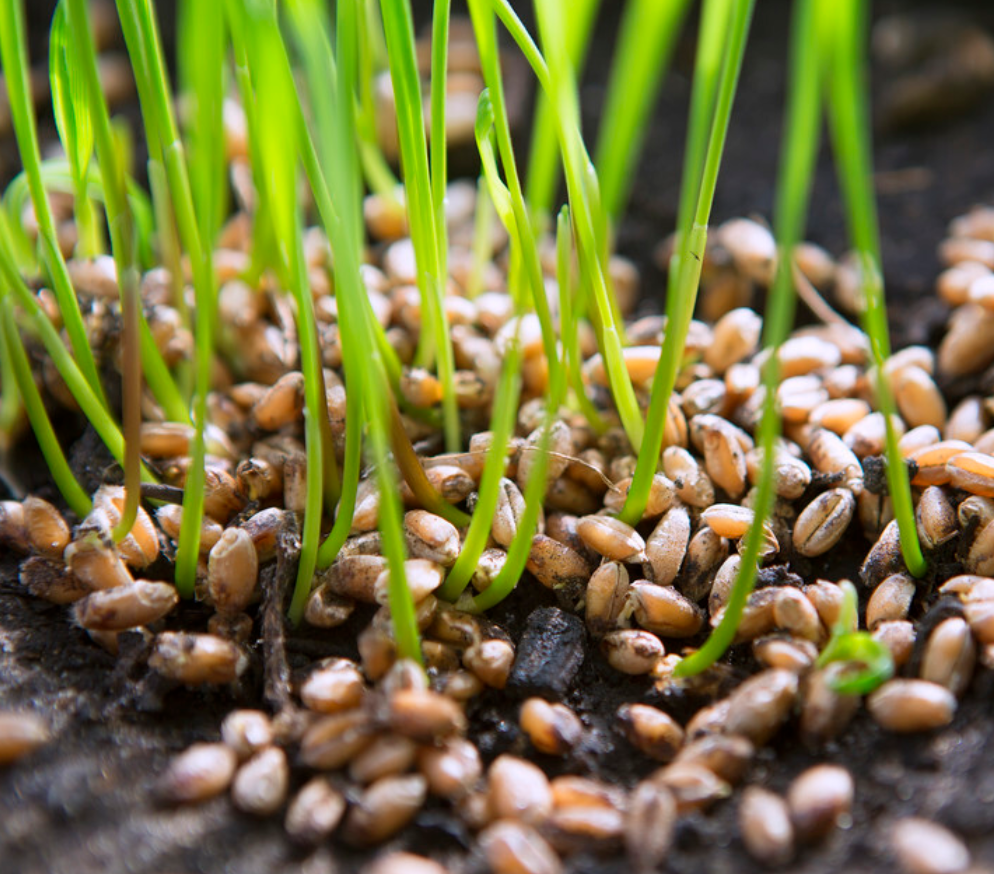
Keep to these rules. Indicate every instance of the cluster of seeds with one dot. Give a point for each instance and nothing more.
(380, 734)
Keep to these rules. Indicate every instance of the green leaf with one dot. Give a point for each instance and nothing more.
(486, 143)
(70, 97)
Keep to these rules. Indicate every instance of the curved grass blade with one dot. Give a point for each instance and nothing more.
(501, 425)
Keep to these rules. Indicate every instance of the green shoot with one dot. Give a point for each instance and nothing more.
(558, 79)
(13, 57)
(122, 239)
(568, 320)
(70, 102)
(648, 33)
(543, 153)
(843, 30)
(799, 152)
(509, 387)
(439, 158)
(368, 369)
(857, 662)
(274, 94)
(144, 48)
(491, 126)
(77, 499)
(685, 268)
(372, 52)
(337, 198)
(351, 467)
(200, 61)
(494, 111)
(423, 213)
(311, 29)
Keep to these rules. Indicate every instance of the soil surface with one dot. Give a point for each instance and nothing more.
(87, 801)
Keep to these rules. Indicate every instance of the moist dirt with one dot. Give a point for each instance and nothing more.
(87, 801)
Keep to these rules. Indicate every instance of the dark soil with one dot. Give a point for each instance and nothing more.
(87, 802)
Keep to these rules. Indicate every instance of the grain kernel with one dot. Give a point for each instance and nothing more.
(260, 786)
(924, 847)
(651, 730)
(767, 831)
(20, 735)
(138, 603)
(198, 773)
(818, 798)
(553, 729)
(912, 705)
(314, 812)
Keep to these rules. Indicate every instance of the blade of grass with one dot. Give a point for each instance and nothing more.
(505, 402)
(312, 35)
(144, 49)
(264, 252)
(351, 466)
(543, 152)
(799, 152)
(642, 54)
(77, 499)
(372, 54)
(492, 127)
(423, 215)
(843, 29)
(558, 79)
(685, 270)
(122, 235)
(274, 93)
(337, 198)
(441, 10)
(310, 27)
(494, 109)
(346, 239)
(13, 57)
(200, 63)
(70, 104)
